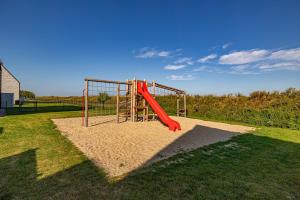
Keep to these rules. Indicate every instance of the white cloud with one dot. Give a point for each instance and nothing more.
(200, 69)
(174, 67)
(244, 57)
(151, 53)
(210, 69)
(287, 54)
(207, 58)
(243, 72)
(240, 67)
(279, 66)
(164, 53)
(181, 77)
(243, 69)
(225, 46)
(184, 60)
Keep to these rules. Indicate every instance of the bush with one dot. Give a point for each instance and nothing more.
(278, 109)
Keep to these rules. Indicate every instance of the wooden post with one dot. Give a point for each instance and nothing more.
(126, 100)
(133, 100)
(86, 104)
(178, 108)
(184, 101)
(144, 106)
(153, 91)
(118, 103)
(153, 88)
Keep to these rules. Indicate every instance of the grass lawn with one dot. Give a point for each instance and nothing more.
(36, 162)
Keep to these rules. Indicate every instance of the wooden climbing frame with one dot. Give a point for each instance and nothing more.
(121, 99)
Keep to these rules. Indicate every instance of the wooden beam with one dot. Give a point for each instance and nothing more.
(86, 104)
(177, 91)
(106, 81)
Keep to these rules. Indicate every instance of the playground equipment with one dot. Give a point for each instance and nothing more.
(131, 100)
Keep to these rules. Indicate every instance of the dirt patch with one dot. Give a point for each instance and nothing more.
(124, 147)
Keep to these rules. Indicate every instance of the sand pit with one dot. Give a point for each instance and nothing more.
(124, 147)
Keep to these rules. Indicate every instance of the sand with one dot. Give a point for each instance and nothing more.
(122, 148)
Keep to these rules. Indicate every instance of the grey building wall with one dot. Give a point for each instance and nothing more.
(10, 88)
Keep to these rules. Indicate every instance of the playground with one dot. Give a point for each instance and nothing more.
(124, 147)
(133, 130)
(38, 161)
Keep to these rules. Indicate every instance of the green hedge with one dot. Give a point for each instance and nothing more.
(278, 109)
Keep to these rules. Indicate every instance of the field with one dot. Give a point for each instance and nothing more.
(37, 162)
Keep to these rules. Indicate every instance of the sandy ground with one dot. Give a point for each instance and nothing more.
(124, 147)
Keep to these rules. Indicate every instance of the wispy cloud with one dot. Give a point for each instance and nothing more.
(210, 69)
(287, 54)
(207, 58)
(260, 60)
(244, 57)
(225, 46)
(279, 66)
(184, 60)
(201, 68)
(174, 67)
(151, 53)
(243, 69)
(181, 77)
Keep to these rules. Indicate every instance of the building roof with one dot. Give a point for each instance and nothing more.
(2, 66)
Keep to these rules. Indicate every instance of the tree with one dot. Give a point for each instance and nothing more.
(102, 98)
(27, 94)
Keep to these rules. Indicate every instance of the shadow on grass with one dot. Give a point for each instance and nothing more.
(199, 136)
(42, 109)
(1, 130)
(19, 179)
(246, 167)
(254, 167)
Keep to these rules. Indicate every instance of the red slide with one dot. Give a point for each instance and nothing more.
(163, 116)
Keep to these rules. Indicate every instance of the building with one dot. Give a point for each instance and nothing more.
(9, 87)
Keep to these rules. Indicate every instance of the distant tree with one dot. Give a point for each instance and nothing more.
(27, 94)
(102, 98)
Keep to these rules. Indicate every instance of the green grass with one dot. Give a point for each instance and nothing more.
(36, 162)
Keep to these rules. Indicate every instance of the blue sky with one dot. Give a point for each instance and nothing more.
(206, 47)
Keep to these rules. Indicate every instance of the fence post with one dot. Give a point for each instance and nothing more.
(118, 102)
(86, 105)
